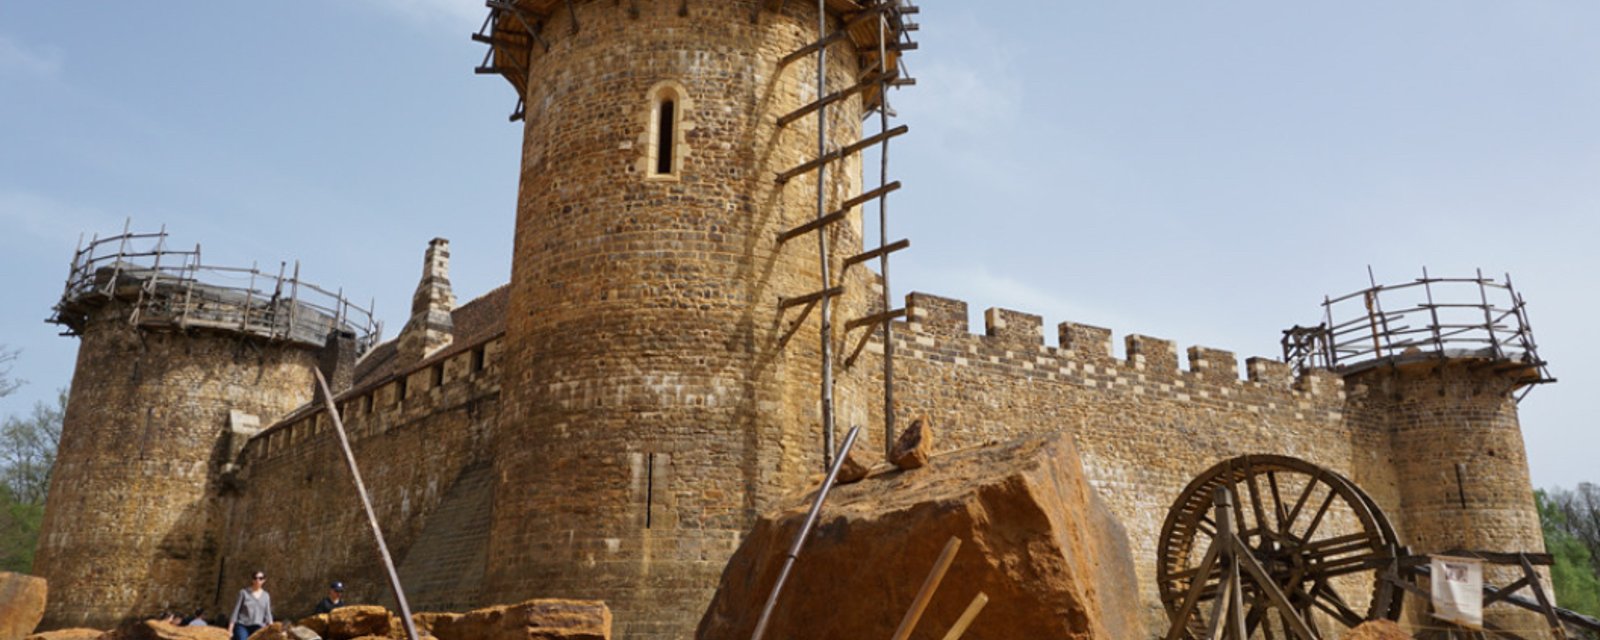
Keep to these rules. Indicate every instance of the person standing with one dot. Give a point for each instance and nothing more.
(334, 599)
(253, 610)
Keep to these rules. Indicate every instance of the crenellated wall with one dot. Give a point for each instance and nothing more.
(1145, 426)
(422, 440)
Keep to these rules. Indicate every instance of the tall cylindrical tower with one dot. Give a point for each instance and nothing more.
(171, 372)
(658, 395)
(1439, 365)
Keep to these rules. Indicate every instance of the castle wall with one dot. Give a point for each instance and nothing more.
(422, 441)
(657, 398)
(1145, 427)
(131, 525)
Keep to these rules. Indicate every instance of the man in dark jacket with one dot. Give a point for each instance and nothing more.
(334, 600)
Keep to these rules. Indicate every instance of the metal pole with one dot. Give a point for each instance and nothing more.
(805, 532)
(366, 504)
(822, 241)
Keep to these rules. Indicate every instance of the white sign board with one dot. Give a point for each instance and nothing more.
(1458, 590)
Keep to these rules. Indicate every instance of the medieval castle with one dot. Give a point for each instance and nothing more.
(609, 423)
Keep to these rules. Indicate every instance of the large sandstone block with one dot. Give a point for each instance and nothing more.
(22, 599)
(531, 620)
(156, 630)
(68, 634)
(1036, 539)
(359, 620)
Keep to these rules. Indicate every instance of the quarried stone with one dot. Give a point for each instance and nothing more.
(914, 446)
(1037, 540)
(22, 599)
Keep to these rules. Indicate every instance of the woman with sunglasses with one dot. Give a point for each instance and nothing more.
(253, 610)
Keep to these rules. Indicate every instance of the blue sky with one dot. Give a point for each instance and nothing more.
(1203, 172)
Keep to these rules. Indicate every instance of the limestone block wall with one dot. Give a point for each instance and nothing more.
(1145, 426)
(131, 525)
(415, 435)
(657, 398)
(1462, 481)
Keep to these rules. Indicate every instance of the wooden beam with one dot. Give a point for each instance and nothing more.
(844, 152)
(876, 318)
(929, 585)
(785, 303)
(831, 98)
(812, 226)
(967, 616)
(883, 250)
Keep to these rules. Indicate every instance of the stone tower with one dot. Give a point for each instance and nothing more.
(657, 395)
(1435, 367)
(173, 375)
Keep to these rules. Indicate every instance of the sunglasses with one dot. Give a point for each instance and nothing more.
(261, 577)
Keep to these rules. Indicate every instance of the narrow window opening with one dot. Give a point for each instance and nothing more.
(649, 488)
(400, 390)
(438, 375)
(477, 359)
(665, 134)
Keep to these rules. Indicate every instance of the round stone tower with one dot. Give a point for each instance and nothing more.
(173, 374)
(1437, 365)
(658, 392)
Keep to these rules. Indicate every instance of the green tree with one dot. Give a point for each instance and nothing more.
(27, 456)
(1576, 583)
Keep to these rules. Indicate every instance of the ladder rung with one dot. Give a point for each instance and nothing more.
(885, 249)
(841, 153)
(785, 303)
(812, 226)
(811, 48)
(868, 196)
(835, 97)
(876, 318)
(837, 35)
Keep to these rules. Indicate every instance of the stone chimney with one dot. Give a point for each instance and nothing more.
(430, 328)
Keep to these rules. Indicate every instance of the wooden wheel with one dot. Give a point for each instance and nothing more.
(1321, 540)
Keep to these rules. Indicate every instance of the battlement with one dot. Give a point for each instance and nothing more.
(1020, 335)
(171, 289)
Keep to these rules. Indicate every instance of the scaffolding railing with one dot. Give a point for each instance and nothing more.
(172, 288)
(1475, 317)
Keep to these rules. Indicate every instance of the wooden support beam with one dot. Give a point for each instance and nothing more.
(785, 303)
(845, 152)
(874, 319)
(870, 196)
(883, 250)
(572, 12)
(838, 34)
(812, 226)
(929, 585)
(960, 627)
(836, 96)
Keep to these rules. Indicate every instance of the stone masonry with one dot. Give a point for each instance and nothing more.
(610, 423)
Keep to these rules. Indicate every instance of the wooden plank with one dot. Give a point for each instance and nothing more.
(845, 152)
(836, 96)
(812, 226)
(874, 319)
(929, 585)
(967, 616)
(785, 303)
(883, 250)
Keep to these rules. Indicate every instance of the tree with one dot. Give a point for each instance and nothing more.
(1580, 511)
(28, 450)
(1576, 583)
(7, 383)
(27, 456)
